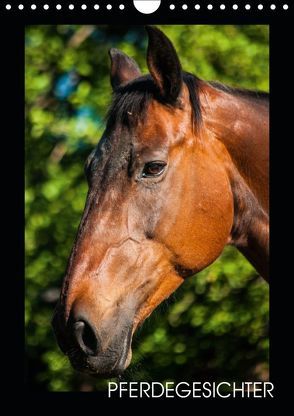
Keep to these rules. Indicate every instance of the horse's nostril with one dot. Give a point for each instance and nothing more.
(86, 337)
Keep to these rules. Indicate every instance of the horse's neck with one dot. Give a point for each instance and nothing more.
(242, 126)
(250, 231)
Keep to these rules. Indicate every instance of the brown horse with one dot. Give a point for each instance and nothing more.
(180, 172)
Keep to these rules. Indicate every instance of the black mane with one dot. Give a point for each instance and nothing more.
(130, 101)
(241, 92)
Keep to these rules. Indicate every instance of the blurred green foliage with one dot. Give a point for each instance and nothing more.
(215, 326)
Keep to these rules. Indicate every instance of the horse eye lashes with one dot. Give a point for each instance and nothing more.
(153, 169)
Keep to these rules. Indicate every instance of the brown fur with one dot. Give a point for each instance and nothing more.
(140, 237)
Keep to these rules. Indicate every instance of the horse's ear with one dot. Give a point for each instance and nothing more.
(164, 64)
(123, 68)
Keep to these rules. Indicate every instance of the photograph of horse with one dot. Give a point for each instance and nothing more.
(181, 171)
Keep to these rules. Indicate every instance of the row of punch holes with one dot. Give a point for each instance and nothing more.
(122, 6)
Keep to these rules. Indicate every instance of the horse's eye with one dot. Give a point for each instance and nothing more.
(153, 169)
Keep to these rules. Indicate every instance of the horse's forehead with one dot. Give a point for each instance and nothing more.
(161, 125)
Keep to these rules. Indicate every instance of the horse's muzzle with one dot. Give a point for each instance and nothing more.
(89, 352)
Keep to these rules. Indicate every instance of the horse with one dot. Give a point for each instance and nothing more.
(180, 172)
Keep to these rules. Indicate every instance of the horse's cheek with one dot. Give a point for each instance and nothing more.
(199, 231)
(213, 219)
